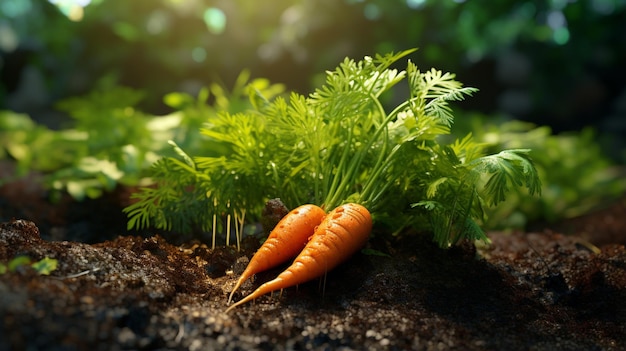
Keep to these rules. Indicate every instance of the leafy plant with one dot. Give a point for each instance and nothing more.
(111, 142)
(577, 176)
(340, 145)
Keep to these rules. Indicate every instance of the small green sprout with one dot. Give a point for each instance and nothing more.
(44, 266)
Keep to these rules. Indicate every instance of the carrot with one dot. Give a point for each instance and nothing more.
(284, 242)
(342, 232)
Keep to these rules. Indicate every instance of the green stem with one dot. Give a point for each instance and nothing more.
(333, 191)
(344, 175)
(384, 160)
(401, 107)
(463, 219)
(369, 191)
(346, 179)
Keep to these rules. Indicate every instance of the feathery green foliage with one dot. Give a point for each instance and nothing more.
(576, 173)
(339, 145)
(110, 141)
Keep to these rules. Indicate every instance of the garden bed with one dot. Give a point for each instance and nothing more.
(561, 287)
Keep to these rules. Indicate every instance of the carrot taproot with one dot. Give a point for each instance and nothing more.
(285, 241)
(343, 231)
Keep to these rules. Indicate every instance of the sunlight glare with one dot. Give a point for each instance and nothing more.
(561, 36)
(8, 38)
(372, 12)
(415, 4)
(157, 22)
(15, 8)
(198, 54)
(74, 10)
(603, 7)
(556, 19)
(215, 20)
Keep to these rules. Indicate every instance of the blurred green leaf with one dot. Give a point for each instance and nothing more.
(45, 266)
(18, 261)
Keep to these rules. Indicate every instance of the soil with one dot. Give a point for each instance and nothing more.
(560, 287)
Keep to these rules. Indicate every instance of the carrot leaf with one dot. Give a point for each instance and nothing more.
(345, 142)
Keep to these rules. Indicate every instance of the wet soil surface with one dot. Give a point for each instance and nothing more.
(558, 288)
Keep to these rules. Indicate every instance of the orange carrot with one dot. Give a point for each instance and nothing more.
(284, 242)
(342, 232)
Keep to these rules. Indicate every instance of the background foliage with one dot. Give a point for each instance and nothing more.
(555, 63)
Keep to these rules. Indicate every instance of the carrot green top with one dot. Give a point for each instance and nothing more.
(343, 144)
